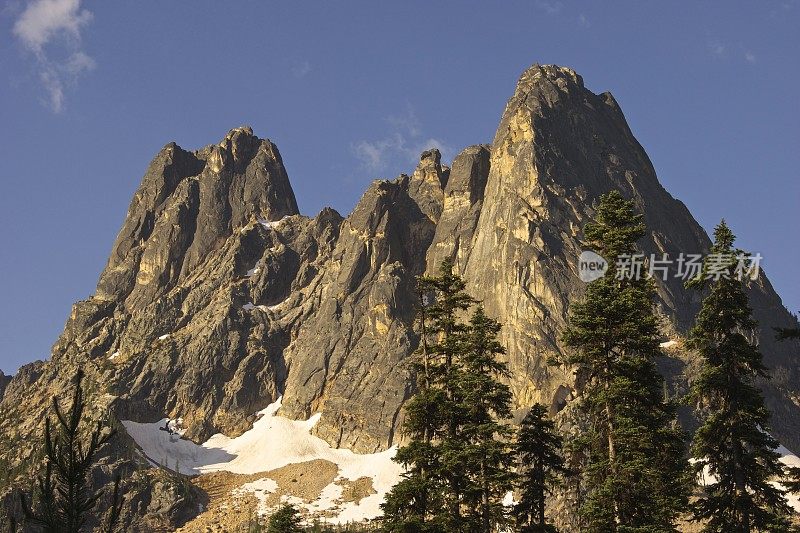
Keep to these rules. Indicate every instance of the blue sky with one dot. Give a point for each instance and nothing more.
(90, 91)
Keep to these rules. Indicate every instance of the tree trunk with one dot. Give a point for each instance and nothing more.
(540, 497)
(487, 528)
(741, 489)
(738, 474)
(426, 434)
(612, 458)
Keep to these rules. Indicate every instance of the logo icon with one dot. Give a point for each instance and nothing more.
(591, 266)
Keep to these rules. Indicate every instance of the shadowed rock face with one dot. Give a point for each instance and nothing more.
(218, 296)
(4, 380)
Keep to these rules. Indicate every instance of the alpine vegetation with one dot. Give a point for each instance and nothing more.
(634, 471)
(64, 500)
(459, 457)
(541, 466)
(732, 449)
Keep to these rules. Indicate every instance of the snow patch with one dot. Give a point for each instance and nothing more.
(164, 337)
(278, 305)
(253, 271)
(272, 224)
(249, 306)
(668, 344)
(175, 425)
(113, 356)
(787, 457)
(274, 442)
(790, 459)
(261, 488)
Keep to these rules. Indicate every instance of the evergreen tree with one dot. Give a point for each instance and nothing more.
(733, 444)
(421, 500)
(457, 459)
(285, 520)
(636, 475)
(448, 300)
(793, 482)
(114, 512)
(787, 333)
(538, 448)
(487, 458)
(793, 473)
(65, 501)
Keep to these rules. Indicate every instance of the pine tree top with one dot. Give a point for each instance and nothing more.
(723, 238)
(616, 226)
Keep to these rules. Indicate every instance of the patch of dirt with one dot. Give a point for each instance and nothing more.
(355, 491)
(302, 480)
(229, 513)
(230, 510)
(218, 484)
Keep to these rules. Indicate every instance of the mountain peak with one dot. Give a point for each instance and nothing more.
(539, 74)
(241, 130)
(187, 205)
(218, 298)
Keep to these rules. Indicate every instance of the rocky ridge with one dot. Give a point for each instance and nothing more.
(219, 296)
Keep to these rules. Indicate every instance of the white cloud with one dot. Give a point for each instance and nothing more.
(299, 70)
(551, 8)
(583, 22)
(51, 31)
(78, 62)
(779, 10)
(401, 147)
(54, 87)
(43, 20)
(717, 48)
(374, 155)
(407, 122)
(731, 51)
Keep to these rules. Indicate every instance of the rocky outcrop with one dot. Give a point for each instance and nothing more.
(461, 205)
(346, 357)
(218, 296)
(427, 184)
(4, 380)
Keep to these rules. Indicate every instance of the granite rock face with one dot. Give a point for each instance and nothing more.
(218, 296)
(558, 147)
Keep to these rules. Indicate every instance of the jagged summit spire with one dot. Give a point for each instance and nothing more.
(538, 72)
(241, 130)
(427, 183)
(187, 204)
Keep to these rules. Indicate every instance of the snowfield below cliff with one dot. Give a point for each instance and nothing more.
(787, 457)
(272, 443)
(790, 459)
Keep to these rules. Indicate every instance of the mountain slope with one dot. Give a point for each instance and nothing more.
(219, 297)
